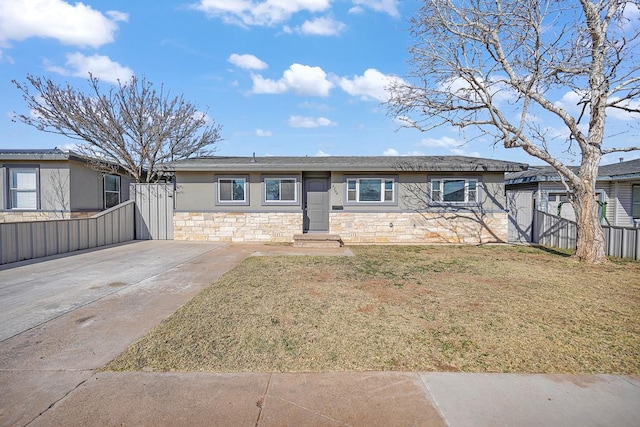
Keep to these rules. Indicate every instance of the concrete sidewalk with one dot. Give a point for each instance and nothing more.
(49, 368)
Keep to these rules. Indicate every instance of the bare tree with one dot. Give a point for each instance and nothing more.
(502, 67)
(132, 125)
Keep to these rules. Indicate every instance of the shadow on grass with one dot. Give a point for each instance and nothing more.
(565, 253)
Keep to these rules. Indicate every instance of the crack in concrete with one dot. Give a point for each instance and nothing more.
(262, 401)
(58, 400)
(311, 411)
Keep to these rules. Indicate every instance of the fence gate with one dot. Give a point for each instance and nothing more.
(520, 206)
(154, 211)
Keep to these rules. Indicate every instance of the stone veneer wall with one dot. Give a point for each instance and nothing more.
(28, 216)
(353, 227)
(409, 227)
(237, 226)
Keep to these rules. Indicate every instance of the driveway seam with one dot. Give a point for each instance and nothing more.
(429, 395)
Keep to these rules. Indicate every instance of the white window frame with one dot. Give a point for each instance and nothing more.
(118, 192)
(384, 180)
(267, 201)
(232, 179)
(436, 195)
(13, 189)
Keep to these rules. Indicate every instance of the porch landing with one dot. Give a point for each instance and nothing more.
(317, 240)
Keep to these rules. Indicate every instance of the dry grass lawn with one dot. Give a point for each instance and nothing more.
(426, 308)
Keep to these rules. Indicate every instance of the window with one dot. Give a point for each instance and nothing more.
(231, 190)
(111, 191)
(280, 190)
(373, 190)
(558, 197)
(23, 188)
(635, 197)
(454, 190)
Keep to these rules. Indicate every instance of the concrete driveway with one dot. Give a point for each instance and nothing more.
(38, 291)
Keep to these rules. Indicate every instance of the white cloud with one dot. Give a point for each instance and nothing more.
(619, 114)
(263, 13)
(4, 58)
(299, 79)
(444, 142)
(321, 153)
(79, 65)
(356, 10)
(77, 24)
(571, 101)
(386, 6)
(452, 145)
(461, 152)
(390, 152)
(263, 133)
(322, 27)
(371, 85)
(248, 62)
(309, 122)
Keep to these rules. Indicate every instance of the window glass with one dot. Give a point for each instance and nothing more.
(351, 190)
(280, 189)
(453, 191)
(388, 190)
(23, 188)
(370, 190)
(436, 194)
(231, 190)
(111, 191)
(636, 202)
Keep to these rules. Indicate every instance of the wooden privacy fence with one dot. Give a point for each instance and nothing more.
(557, 232)
(27, 240)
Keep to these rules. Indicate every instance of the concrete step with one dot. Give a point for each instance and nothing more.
(317, 240)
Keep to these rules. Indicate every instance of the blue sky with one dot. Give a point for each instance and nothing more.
(283, 77)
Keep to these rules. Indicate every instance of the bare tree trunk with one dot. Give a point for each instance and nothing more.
(591, 242)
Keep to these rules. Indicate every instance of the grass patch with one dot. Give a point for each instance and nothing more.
(426, 308)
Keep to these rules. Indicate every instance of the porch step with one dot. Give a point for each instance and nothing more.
(312, 240)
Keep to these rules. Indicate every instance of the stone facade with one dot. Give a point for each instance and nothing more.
(427, 227)
(29, 216)
(352, 227)
(237, 226)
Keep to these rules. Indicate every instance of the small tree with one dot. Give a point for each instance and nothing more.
(132, 125)
(501, 66)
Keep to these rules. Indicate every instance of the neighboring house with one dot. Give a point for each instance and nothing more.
(55, 184)
(361, 199)
(617, 189)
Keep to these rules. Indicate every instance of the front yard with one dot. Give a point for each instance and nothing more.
(416, 308)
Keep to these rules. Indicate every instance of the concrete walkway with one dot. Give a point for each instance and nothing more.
(62, 319)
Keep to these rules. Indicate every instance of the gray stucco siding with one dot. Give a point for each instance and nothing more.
(198, 192)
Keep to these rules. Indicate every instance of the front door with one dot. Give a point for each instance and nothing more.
(316, 205)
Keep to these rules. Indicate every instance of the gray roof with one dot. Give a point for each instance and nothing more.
(616, 171)
(344, 164)
(40, 155)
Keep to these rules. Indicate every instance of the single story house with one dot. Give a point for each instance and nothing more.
(54, 184)
(540, 188)
(416, 199)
